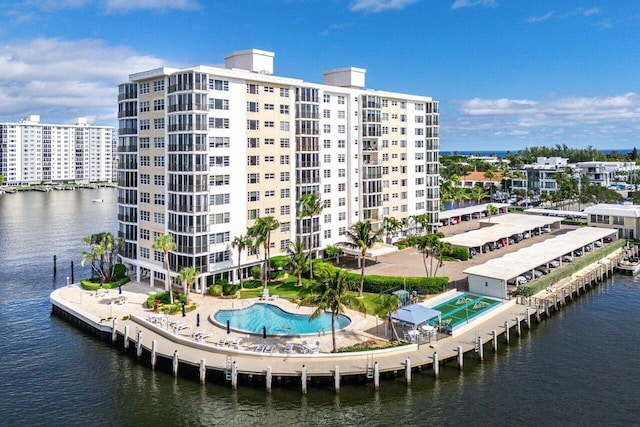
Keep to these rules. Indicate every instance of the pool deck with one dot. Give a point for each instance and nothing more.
(98, 308)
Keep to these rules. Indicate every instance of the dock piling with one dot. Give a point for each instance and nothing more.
(460, 358)
(436, 364)
(506, 331)
(126, 337)
(175, 363)
(336, 378)
(234, 375)
(518, 326)
(528, 318)
(480, 348)
(269, 379)
(154, 349)
(114, 330)
(139, 344)
(203, 371)
(495, 340)
(376, 376)
(55, 267)
(303, 379)
(407, 370)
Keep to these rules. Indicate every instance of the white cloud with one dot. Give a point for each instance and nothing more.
(611, 120)
(335, 27)
(534, 19)
(64, 79)
(459, 4)
(379, 5)
(123, 6)
(591, 11)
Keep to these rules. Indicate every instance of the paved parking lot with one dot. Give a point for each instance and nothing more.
(409, 262)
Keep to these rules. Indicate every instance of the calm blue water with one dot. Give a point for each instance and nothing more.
(277, 321)
(579, 368)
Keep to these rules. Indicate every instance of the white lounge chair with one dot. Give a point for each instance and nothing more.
(270, 348)
(236, 342)
(224, 340)
(288, 348)
(260, 348)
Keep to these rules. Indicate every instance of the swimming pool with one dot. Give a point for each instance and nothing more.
(277, 321)
(461, 309)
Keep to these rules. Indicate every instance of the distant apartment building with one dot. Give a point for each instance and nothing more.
(204, 151)
(33, 153)
(540, 177)
(606, 173)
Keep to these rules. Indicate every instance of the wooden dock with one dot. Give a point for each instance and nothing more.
(156, 346)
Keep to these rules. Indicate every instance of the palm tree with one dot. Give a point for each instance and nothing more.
(391, 226)
(92, 256)
(361, 237)
(187, 275)
(385, 305)
(261, 232)
(309, 205)
(332, 294)
(478, 193)
(166, 244)
(241, 242)
(459, 194)
(298, 260)
(427, 246)
(422, 220)
(491, 210)
(490, 175)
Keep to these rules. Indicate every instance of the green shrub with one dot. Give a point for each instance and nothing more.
(165, 299)
(252, 284)
(93, 284)
(222, 282)
(279, 261)
(230, 289)
(120, 271)
(459, 253)
(377, 284)
(215, 290)
(256, 272)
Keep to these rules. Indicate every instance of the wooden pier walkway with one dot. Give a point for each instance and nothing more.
(152, 342)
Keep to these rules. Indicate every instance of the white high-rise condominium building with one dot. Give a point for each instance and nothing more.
(204, 151)
(32, 152)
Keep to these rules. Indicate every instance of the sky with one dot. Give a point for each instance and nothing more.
(509, 74)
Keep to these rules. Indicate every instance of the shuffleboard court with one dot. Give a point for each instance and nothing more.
(462, 308)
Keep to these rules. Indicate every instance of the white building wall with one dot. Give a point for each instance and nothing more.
(487, 286)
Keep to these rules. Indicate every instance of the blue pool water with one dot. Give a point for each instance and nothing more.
(277, 321)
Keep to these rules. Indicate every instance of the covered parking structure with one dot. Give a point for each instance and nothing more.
(497, 231)
(375, 251)
(470, 212)
(493, 277)
(558, 213)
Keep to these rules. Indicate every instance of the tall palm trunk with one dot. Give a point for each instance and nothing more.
(333, 330)
(362, 259)
(168, 278)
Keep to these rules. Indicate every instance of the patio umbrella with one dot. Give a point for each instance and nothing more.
(120, 289)
(197, 320)
(228, 327)
(264, 332)
(184, 313)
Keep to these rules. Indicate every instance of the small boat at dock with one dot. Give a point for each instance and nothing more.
(97, 200)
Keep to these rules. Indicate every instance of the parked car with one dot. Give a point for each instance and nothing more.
(607, 239)
(501, 243)
(521, 280)
(543, 269)
(567, 258)
(588, 248)
(537, 274)
(597, 244)
(517, 238)
(472, 252)
(577, 253)
(528, 276)
(526, 235)
(554, 263)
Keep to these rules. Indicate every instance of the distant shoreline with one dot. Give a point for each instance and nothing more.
(503, 153)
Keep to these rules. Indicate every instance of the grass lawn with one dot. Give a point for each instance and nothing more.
(288, 290)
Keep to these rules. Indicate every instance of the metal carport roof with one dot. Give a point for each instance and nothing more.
(526, 259)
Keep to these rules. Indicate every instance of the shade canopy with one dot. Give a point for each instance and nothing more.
(415, 314)
(402, 295)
